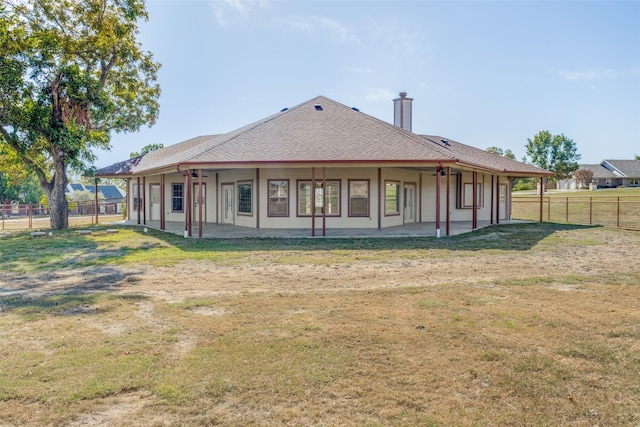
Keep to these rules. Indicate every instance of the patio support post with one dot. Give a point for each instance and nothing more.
(380, 198)
(96, 194)
(438, 170)
(313, 202)
(162, 202)
(200, 203)
(218, 200)
(144, 200)
(541, 195)
(420, 197)
(448, 213)
(492, 198)
(498, 199)
(474, 210)
(257, 197)
(324, 201)
(138, 197)
(185, 208)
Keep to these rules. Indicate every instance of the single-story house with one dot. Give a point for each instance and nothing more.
(316, 166)
(609, 174)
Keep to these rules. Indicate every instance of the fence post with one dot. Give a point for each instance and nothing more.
(30, 211)
(549, 209)
(567, 211)
(590, 210)
(618, 213)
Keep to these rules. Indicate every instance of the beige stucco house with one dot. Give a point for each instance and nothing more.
(320, 166)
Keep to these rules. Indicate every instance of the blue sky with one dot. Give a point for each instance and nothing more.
(481, 73)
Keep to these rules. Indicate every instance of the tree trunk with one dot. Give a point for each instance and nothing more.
(58, 205)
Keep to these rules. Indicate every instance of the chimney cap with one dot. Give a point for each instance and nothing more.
(403, 94)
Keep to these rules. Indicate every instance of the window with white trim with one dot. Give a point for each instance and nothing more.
(245, 197)
(392, 197)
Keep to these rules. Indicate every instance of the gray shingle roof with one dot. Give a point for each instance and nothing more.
(599, 171)
(318, 130)
(629, 168)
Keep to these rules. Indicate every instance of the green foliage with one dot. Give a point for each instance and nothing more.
(524, 184)
(72, 73)
(146, 149)
(555, 153)
(500, 152)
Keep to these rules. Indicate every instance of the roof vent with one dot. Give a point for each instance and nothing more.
(284, 109)
(445, 142)
(318, 107)
(355, 109)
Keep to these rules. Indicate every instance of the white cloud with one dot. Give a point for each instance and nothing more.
(589, 75)
(225, 10)
(317, 24)
(380, 94)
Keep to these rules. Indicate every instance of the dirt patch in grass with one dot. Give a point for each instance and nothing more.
(543, 336)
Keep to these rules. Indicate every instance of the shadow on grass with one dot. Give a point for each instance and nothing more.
(520, 237)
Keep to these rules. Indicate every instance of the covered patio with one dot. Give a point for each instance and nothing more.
(226, 231)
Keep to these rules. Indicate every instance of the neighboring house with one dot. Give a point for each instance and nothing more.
(609, 174)
(114, 197)
(320, 164)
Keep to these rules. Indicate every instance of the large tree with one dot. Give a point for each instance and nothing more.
(555, 153)
(71, 73)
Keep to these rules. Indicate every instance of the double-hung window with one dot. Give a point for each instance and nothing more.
(245, 190)
(177, 197)
(359, 198)
(278, 197)
(392, 198)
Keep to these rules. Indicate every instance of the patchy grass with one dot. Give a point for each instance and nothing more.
(552, 344)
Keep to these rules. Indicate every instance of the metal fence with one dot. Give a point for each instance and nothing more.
(36, 216)
(620, 212)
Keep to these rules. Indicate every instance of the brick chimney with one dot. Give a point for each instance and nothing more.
(402, 111)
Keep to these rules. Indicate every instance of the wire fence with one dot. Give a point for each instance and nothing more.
(620, 212)
(36, 216)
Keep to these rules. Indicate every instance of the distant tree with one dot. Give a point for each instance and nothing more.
(495, 150)
(500, 152)
(583, 177)
(555, 153)
(637, 157)
(71, 73)
(84, 198)
(146, 149)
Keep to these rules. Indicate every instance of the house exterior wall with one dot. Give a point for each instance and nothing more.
(424, 199)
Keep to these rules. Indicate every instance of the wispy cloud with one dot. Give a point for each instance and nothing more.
(319, 24)
(589, 75)
(225, 10)
(380, 94)
(360, 70)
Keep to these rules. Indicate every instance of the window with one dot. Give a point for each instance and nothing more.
(391, 198)
(359, 198)
(306, 201)
(279, 197)
(467, 196)
(245, 198)
(177, 197)
(608, 181)
(634, 181)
